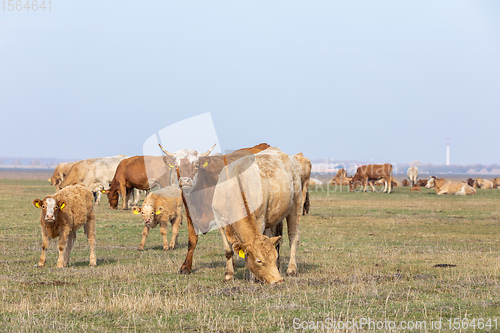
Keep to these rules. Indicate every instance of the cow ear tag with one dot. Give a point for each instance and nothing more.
(205, 164)
(63, 205)
(136, 212)
(241, 254)
(103, 191)
(37, 204)
(158, 212)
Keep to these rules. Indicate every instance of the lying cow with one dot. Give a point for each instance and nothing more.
(252, 197)
(341, 178)
(446, 186)
(367, 173)
(62, 215)
(422, 182)
(484, 184)
(161, 207)
(496, 182)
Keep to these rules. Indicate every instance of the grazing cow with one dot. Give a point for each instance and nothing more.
(305, 167)
(198, 174)
(140, 172)
(422, 182)
(61, 170)
(496, 182)
(252, 197)
(162, 207)
(446, 186)
(405, 182)
(62, 215)
(412, 174)
(367, 173)
(340, 178)
(484, 184)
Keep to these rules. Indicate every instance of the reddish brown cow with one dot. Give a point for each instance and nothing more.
(366, 173)
(198, 174)
(137, 172)
(405, 182)
(422, 182)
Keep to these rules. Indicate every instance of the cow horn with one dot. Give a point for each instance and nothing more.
(209, 151)
(166, 152)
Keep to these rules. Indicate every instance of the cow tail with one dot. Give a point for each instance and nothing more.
(307, 205)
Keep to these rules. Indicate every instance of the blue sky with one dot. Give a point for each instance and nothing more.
(381, 81)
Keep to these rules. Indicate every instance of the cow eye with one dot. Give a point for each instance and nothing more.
(258, 261)
(43, 206)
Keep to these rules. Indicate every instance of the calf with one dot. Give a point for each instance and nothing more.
(446, 186)
(161, 207)
(62, 215)
(366, 173)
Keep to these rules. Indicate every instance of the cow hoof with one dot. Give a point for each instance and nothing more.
(184, 271)
(166, 248)
(291, 273)
(228, 278)
(140, 249)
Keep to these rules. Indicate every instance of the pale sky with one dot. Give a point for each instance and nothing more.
(381, 81)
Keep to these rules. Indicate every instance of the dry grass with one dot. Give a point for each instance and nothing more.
(362, 255)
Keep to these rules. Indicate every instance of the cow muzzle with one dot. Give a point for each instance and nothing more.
(185, 183)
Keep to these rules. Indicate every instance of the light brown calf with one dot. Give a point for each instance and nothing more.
(161, 207)
(446, 186)
(62, 215)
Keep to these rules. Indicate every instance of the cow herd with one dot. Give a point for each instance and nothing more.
(247, 195)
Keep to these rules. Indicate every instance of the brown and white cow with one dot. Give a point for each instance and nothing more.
(446, 186)
(252, 197)
(199, 174)
(62, 215)
(61, 170)
(341, 178)
(305, 168)
(367, 173)
(162, 207)
(137, 172)
(484, 184)
(412, 174)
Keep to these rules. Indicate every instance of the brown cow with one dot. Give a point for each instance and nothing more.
(198, 175)
(484, 184)
(446, 186)
(305, 167)
(496, 182)
(422, 182)
(139, 172)
(405, 182)
(61, 170)
(341, 178)
(471, 182)
(367, 173)
(62, 215)
(252, 197)
(162, 207)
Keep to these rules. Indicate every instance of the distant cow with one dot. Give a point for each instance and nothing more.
(340, 178)
(422, 182)
(61, 170)
(162, 207)
(253, 196)
(367, 173)
(484, 184)
(446, 186)
(471, 182)
(496, 182)
(140, 172)
(62, 215)
(405, 182)
(412, 174)
(305, 169)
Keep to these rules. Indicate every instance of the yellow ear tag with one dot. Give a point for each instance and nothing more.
(63, 205)
(158, 212)
(136, 212)
(205, 164)
(103, 191)
(171, 166)
(50, 180)
(37, 205)
(241, 254)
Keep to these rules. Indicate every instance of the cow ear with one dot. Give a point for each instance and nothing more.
(240, 248)
(275, 240)
(37, 203)
(136, 210)
(62, 204)
(159, 210)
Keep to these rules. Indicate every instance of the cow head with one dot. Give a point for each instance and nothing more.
(185, 162)
(54, 180)
(50, 208)
(148, 214)
(113, 196)
(354, 182)
(431, 182)
(260, 257)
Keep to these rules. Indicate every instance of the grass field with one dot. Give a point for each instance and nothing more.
(362, 255)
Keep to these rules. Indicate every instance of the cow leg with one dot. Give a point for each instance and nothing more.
(69, 246)
(97, 197)
(137, 196)
(365, 183)
(45, 245)
(145, 233)
(127, 198)
(192, 241)
(228, 249)
(390, 185)
(176, 225)
(385, 186)
(89, 229)
(123, 192)
(163, 232)
(292, 221)
(61, 246)
(371, 185)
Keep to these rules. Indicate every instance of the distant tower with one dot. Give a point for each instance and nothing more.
(447, 151)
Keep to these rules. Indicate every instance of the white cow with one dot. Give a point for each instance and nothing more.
(412, 174)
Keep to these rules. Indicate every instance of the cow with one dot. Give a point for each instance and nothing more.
(340, 178)
(367, 173)
(305, 167)
(405, 182)
(161, 207)
(446, 186)
(62, 215)
(415, 188)
(496, 182)
(471, 182)
(251, 199)
(197, 175)
(412, 174)
(422, 182)
(137, 172)
(61, 170)
(484, 184)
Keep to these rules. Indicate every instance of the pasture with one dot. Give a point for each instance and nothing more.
(361, 255)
